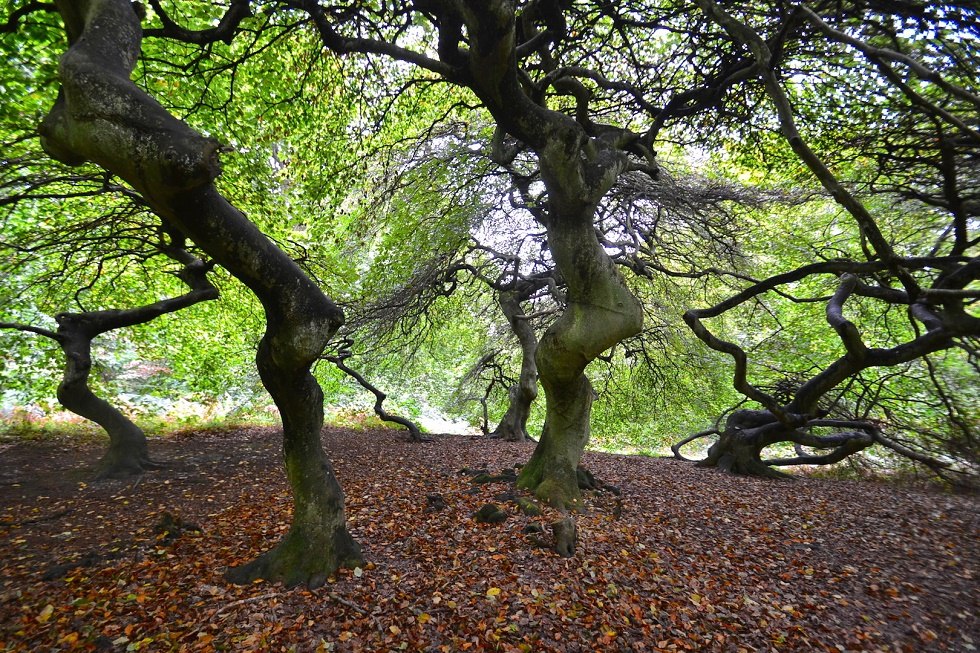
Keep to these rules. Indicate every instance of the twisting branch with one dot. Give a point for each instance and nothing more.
(344, 352)
(31, 7)
(224, 31)
(876, 54)
(676, 447)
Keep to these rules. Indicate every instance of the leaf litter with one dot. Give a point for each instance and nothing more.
(685, 559)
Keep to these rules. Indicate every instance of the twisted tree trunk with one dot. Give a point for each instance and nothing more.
(578, 167)
(102, 117)
(513, 425)
(738, 449)
(128, 453)
(600, 312)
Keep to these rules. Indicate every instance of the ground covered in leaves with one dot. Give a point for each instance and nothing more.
(683, 559)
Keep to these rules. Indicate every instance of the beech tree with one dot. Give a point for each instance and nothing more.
(102, 117)
(581, 98)
(904, 73)
(128, 453)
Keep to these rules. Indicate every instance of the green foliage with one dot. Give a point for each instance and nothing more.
(375, 179)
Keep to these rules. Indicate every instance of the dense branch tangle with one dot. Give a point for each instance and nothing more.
(937, 290)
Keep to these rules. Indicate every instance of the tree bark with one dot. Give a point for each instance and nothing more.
(738, 449)
(577, 169)
(513, 425)
(601, 311)
(128, 454)
(102, 117)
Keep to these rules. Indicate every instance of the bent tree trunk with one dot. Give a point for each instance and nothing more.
(513, 425)
(601, 311)
(102, 117)
(128, 453)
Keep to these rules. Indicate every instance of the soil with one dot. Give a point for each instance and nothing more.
(682, 559)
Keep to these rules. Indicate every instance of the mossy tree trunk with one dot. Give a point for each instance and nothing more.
(600, 312)
(102, 117)
(579, 164)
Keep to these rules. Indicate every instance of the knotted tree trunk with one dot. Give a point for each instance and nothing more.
(578, 167)
(739, 447)
(102, 117)
(600, 312)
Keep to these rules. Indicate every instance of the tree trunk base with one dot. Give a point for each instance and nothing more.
(739, 447)
(551, 483)
(126, 463)
(300, 559)
(510, 433)
(747, 463)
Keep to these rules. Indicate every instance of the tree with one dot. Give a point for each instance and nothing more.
(916, 136)
(578, 97)
(482, 48)
(128, 453)
(102, 117)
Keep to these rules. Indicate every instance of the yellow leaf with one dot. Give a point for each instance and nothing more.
(423, 618)
(395, 630)
(45, 614)
(493, 591)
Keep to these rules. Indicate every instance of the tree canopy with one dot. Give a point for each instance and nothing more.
(754, 222)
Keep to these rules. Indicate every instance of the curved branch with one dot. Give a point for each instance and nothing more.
(848, 333)
(676, 447)
(876, 54)
(928, 461)
(31, 329)
(224, 31)
(339, 44)
(379, 397)
(31, 7)
(747, 37)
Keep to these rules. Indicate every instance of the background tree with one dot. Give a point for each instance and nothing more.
(914, 140)
(128, 453)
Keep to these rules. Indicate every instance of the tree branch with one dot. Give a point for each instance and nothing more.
(10, 25)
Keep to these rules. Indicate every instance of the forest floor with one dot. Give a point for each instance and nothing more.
(685, 559)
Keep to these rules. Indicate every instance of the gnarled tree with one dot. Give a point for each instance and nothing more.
(102, 117)
(128, 453)
(917, 133)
